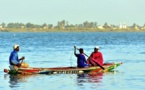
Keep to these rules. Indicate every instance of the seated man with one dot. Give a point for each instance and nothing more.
(13, 59)
(96, 57)
(81, 60)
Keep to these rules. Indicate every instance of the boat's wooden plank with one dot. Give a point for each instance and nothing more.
(33, 70)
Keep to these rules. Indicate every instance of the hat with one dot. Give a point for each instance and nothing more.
(15, 46)
(97, 47)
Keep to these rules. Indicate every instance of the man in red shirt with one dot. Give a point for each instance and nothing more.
(96, 57)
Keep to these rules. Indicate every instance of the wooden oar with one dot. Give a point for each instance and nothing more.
(22, 60)
(93, 60)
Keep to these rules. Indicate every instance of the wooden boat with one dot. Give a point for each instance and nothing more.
(63, 70)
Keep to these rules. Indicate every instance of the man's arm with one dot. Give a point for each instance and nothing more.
(75, 51)
(15, 62)
(13, 59)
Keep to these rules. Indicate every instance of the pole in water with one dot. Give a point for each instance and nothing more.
(71, 59)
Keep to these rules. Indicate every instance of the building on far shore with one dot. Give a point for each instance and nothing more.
(1, 27)
(100, 27)
(122, 26)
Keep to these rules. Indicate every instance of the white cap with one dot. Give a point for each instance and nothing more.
(97, 47)
(15, 46)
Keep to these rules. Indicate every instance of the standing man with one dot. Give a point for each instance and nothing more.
(13, 59)
(96, 57)
(81, 60)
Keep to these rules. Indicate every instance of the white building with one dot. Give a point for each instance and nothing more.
(1, 26)
(122, 26)
(100, 27)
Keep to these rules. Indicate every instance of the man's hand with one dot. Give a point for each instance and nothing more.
(75, 47)
(19, 65)
(22, 58)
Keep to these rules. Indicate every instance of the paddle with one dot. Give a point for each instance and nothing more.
(22, 60)
(93, 60)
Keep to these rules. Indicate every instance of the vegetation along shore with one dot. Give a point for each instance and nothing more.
(64, 26)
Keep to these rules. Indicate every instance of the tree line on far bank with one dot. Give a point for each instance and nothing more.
(64, 25)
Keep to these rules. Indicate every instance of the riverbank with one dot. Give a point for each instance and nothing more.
(70, 30)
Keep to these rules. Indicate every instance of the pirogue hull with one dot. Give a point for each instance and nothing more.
(64, 70)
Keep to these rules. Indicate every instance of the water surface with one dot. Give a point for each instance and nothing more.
(55, 49)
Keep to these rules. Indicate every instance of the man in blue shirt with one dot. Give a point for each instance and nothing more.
(13, 59)
(81, 60)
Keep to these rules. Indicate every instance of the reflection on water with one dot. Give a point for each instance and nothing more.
(15, 80)
(97, 75)
(81, 79)
(95, 81)
(94, 78)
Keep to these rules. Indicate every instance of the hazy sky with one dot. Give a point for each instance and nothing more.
(74, 11)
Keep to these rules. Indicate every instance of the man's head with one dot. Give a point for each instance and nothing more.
(16, 47)
(96, 49)
(81, 50)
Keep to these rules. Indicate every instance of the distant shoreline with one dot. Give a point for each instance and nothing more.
(56, 30)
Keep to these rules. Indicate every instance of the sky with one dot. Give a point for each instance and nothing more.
(73, 11)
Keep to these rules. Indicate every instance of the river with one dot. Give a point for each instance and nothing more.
(55, 49)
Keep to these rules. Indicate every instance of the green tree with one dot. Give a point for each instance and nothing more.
(29, 25)
(106, 25)
(3, 25)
